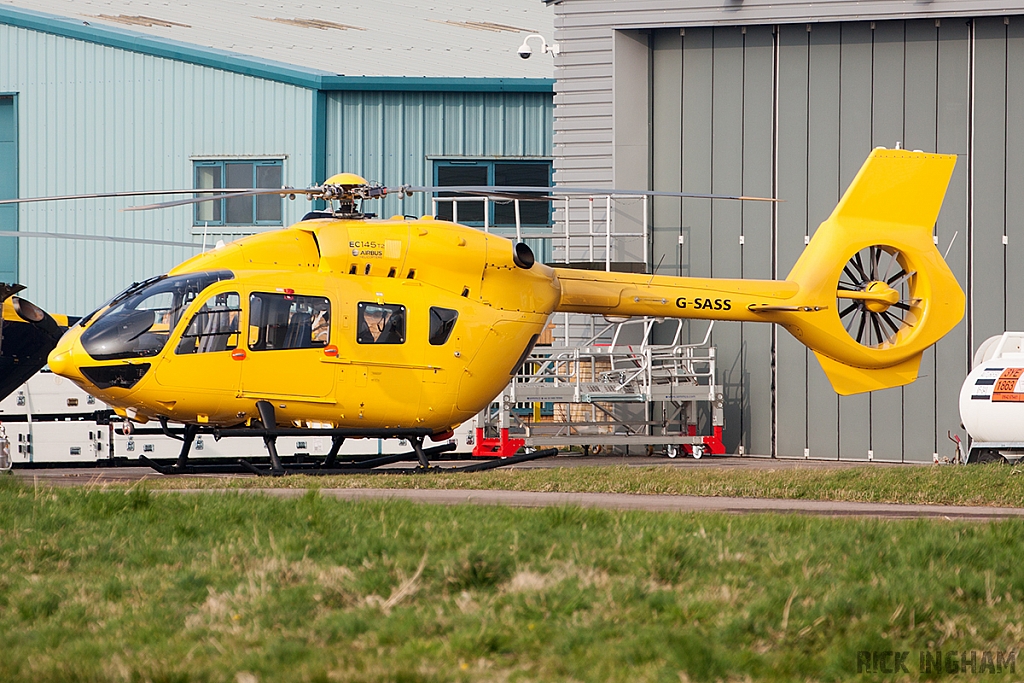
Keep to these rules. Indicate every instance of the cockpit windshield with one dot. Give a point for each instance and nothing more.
(139, 325)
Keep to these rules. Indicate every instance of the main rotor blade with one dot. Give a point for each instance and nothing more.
(225, 194)
(97, 238)
(601, 191)
(107, 195)
(508, 196)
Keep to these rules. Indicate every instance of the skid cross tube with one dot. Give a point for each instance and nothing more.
(267, 417)
(336, 443)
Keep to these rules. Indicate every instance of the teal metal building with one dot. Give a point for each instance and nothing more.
(215, 95)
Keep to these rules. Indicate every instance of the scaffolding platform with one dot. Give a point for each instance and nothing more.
(617, 390)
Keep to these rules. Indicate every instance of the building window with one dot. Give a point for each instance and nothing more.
(501, 214)
(288, 321)
(258, 210)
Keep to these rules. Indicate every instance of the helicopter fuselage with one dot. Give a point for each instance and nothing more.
(371, 324)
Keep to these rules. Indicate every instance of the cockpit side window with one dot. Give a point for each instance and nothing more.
(442, 322)
(380, 323)
(214, 327)
(288, 321)
(139, 321)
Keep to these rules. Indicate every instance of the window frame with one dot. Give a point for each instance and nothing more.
(222, 222)
(449, 323)
(202, 310)
(258, 343)
(360, 307)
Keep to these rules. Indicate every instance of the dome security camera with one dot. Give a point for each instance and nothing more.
(525, 50)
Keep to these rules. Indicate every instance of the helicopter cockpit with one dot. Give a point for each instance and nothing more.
(139, 322)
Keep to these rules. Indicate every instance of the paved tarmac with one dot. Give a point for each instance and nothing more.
(91, 475)
(616, 501)
(653, 503)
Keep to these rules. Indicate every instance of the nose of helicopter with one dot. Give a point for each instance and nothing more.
(62, 359)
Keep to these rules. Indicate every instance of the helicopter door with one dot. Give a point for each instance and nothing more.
(201, 370)
(288, 334)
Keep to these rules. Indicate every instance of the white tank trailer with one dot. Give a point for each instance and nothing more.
(992, 400)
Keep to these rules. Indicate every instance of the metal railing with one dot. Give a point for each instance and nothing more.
(621, 371)
(599, 228)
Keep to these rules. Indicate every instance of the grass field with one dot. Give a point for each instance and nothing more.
(123, 585)
(972, 485)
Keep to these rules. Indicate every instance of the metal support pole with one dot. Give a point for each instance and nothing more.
(646, 228)
(567, 229)
(519, 223)
(608, 234)
(590, 229)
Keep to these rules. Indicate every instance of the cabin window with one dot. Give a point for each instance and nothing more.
(442, 322)
(288, 321)
(214, 327)
(380, 323)
(241, 173)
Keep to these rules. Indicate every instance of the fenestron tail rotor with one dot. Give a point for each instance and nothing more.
(874, 297)
(879, 291)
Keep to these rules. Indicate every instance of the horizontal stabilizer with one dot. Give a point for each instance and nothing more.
(847, 380)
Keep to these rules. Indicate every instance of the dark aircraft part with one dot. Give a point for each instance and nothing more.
(503, 462)
(186, 446)
(24, 346)
(417, 445)
(522, 256)
(336, 443)
(267, 417)
(329, 466)
(121, 376)
(353, 466)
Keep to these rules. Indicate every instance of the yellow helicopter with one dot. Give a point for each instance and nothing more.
(406, 328)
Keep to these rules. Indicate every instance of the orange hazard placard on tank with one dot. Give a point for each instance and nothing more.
(1008, 387)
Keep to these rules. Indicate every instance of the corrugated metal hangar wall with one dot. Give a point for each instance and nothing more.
(791, 110)
(93, 118)
(86, 108)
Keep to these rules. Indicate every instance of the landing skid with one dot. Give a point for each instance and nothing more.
(364, 466)
(330, 464)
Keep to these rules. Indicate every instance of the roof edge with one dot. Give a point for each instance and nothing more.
(437, 84)
(313, 79)
(160, 47)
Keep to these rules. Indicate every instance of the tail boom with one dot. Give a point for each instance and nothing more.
(628, 294)
(889, 211)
